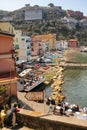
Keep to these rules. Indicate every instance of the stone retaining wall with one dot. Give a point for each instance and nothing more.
(40, 122)
(73, 65)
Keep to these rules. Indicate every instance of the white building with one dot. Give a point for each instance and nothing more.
(34, 14)
(70, 22)
(22, 45)
(83, 22)
(44, 46)
(61, 45)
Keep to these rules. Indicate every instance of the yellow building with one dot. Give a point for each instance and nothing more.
(6, 26)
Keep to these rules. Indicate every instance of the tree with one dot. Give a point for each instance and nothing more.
(78, 27)
(51, 4)
(36, 5)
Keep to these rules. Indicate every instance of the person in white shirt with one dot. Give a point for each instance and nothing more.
(85, 110)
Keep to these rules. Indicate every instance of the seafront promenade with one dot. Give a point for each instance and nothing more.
(38, 112)
(49, 121)
(32, 120)
(43, 121)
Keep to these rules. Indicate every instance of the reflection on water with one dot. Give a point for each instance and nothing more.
(75, 86)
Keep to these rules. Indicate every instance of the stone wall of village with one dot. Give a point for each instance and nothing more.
(45, 122)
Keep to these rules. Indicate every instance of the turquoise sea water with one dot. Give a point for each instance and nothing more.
(75, 86)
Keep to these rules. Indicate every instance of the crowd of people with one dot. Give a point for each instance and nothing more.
(64, 107)
(8, 117)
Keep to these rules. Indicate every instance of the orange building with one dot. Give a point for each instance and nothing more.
(8, 76)
(72, 43)
(51, 38)
(38, 39)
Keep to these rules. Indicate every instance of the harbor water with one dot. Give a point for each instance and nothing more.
(74, 87)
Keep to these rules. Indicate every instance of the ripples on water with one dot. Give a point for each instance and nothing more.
(75, 86)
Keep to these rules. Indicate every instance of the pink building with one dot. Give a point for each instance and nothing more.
(35, 46)
(72, 43)
(8, 76)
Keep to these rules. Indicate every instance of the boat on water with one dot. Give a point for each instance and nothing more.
(29, 80)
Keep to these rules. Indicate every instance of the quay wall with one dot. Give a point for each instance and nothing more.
(40, 121)
(73, 65)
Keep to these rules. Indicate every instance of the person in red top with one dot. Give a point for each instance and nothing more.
(11, 115)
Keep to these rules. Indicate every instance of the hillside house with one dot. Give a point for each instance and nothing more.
(69, 22)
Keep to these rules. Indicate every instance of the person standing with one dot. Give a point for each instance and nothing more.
(2, 116)
(85, 110)
(11, 116)
(50, 108)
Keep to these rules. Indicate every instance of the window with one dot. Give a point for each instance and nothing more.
(12, 30)
(16, 46)
(23, 39)
(39, 44)
(32, 49)
(17, 58)
(28, 40)
(31, 43)
(28, 46)
(28, 53)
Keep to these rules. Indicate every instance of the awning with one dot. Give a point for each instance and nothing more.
(20, 62)
(25, 72)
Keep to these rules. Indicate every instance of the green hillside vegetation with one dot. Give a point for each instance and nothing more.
(55, 26)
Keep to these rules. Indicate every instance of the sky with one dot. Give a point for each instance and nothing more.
(76, 5)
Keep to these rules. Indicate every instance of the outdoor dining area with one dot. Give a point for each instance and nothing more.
(29, 79)
(67, 109)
